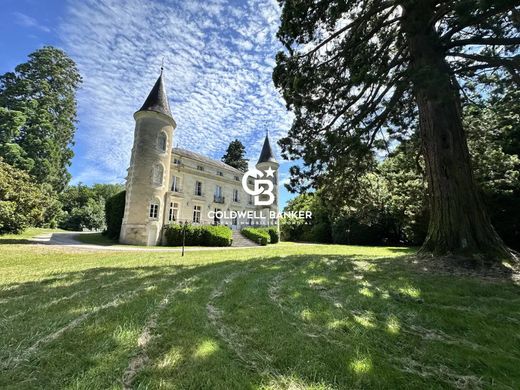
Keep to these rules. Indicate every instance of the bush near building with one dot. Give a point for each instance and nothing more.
(205, 235)
(273, 234)
(23, 203)
(258, 235)
(114, 211)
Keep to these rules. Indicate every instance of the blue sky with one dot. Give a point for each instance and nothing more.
(218, 56)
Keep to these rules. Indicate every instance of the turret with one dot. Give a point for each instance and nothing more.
(147, 180)
(269, 166)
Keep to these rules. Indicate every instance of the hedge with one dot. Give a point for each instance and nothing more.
(205, 235)
(114, 211)
(258, 235)
(273, 234)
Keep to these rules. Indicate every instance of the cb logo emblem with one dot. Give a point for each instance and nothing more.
(260, 186)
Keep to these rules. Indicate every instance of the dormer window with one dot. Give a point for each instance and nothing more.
(177, 161)
(237, 178)
(200, 168)
(219, 173)
(162, 141)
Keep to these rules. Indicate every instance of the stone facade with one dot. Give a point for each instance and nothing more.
(166, 185)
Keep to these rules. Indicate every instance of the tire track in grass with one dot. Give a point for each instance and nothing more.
(118, 300)
(78, 293)
(139, 361)
(426, 334)
(305, 328)
(406, 365)
(258, 361)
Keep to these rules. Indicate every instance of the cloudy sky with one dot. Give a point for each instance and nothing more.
(218, 59)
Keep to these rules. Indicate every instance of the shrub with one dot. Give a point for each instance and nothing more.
(258, 235)
(273, 234)
(22, 202)
(204, 235)
(114, 212)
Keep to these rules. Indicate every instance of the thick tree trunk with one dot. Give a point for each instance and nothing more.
(458, 222)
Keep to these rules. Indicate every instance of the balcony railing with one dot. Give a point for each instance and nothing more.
(218, 199)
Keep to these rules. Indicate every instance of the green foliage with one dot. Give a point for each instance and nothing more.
(38, 115)
(358, 76)
(84, 206)
(259, 235)
(203, 235)
(274, 235)
(23, 203)
(235, 156)
(114, 213)
(292, 229)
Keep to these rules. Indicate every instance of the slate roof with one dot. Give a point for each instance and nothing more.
(267, 154)
(157, 100)
(206, 160)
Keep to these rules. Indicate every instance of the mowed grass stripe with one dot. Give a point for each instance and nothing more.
(188, 352)
(19, 335)
(43, 300)
(108, 331)
(407, 320)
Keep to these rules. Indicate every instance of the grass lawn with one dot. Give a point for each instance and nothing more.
(284, 316)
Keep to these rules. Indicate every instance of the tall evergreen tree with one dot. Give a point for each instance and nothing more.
(235, 155)
(37, 121)
(357, 72)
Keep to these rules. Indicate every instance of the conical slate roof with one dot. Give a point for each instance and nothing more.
(157, 100)
(267, 154)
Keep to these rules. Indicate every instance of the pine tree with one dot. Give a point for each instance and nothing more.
(37, 121)
(360, 74)
(235, 155)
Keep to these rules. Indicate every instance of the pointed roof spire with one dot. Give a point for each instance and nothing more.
(157, 100)
(267, 154)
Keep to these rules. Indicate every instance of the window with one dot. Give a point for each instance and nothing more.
(173, 213)
(196, 214)
(154, 210)
(177, 161)
(218, 195)
(157, 176)
(250, 182)
(219, 173)
(234, 221)
(250, 200)
(235, 196)
(200, 168)
(198, 188)
(162, 141)
(237, 178)
(176, 184)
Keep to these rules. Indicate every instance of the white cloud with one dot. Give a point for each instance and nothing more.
(28, 21)
(218, 67)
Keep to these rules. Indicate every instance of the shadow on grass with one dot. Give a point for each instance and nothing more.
(315, 321)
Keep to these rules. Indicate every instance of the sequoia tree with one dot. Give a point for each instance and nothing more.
(41, 95)
(361, 74)
(235, 155)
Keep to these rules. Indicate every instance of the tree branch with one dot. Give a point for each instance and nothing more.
(356, 21)
(484, 41)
